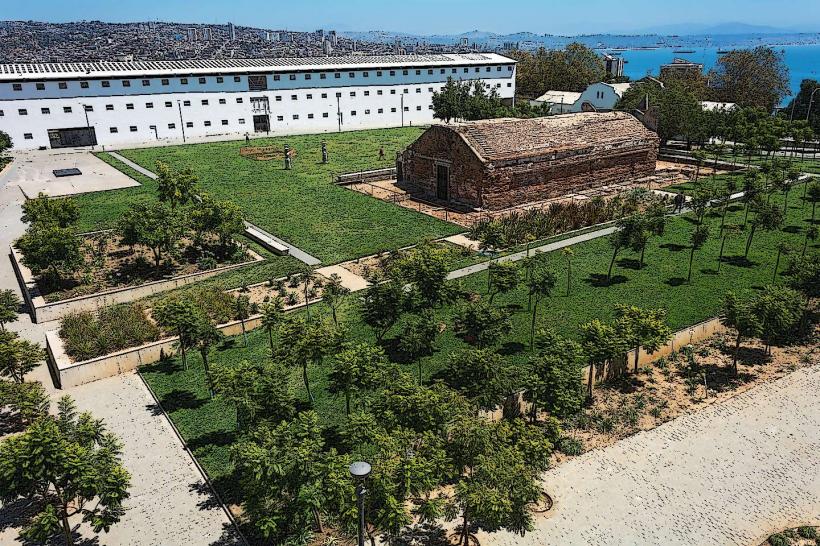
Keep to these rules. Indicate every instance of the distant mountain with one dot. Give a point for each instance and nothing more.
(695, 29)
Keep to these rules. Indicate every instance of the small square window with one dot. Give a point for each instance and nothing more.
(204, 102)
(220, 79)
(66, 109)
(17, 86)
(278, 98)
(109, 107)
(429, 106)
(392, 72)
(324, 95)
(392, 91)
(202, 80)
(509, 85)
(487, 69)
(238, 100)
(351, 74)
(189, 124)
(146, 83)
(337, 75)
(509, 68)
(280, 118)
(168, 104)
(429, 89)
(172, 125)
(84, 85)
(353, 112)
(45, 111)
(309, 96)
(418, 89)
(224, 122)
(453, 70)
(241, 121)
(237, 79)
(222, 101)
(165, 81)
(352, 93)
(64, 85)
(392, 109)
(365, 74)
(133, 128)
(113, 130)
(129, 106)
(2, 113)
(40, 86)
(430, 71)
(405, 72)
(498, 69)
(406, 91)
(418, 108)
(379, 73)
(183, 81)
(292, 77)
(307, 76)
(186, 103)
(125, 83)
(88, 108)
(379, 92)
(322, 76)
(466, 69)
(418, 72)
(295, 116)
(367, 111)
(442, 71)
(380, 110)
(149, 104)
(406, 108)
(22, 112)
(478, 69)
(28, 136)
(207, 124)
(310, 116)
(293, 97)
(324, 114)
(276, 77)
(338, 95)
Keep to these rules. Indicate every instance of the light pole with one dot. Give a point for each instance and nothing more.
(360, 471)
(88, 124)
(402, 110)
(811, 100)
(181, 121)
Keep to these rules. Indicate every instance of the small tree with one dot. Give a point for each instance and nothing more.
(9, 306)
(308, 278)
(568, 254)
(333, 295)
(175, 187)
(307, 342)
(812, 234)
(382, 306)
(153, 226)
(699, 156)
(540, 286)
(813, 195)
(424, 268)
(555, 384)
(729, 232)
(768, 218)
(272, 315)
(502, 277)
(783, 249)
(205, 336)
(242, 311)
(43, 210)
(359, 367)
(51, 251)
(479, 374)
(481, 324)
(182, 317)
(5, 143)
(25, 402)
(740, 316)
(601, 344)
(779, 310)
(620, 238)
(18, 356)
(699, 236)
(645, 328)
(65, 466)
(418, 337)
(223, 219)
(258, 390)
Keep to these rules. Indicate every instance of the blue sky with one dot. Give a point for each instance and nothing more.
(432, 16)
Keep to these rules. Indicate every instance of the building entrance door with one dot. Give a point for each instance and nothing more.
(72, 138)
(442, 182)
(261, 123)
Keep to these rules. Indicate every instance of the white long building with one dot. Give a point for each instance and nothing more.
(129, 103)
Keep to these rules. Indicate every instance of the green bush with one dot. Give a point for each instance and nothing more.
(217, 305)
(807, 532)
(88, 335)
(779, 539)
(570, 446)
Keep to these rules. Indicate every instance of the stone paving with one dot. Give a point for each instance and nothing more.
(730, 474)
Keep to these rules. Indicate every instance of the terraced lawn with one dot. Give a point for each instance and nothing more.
(208, 425)
(302, 205)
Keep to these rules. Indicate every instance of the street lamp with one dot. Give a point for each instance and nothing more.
(360, 470)
(811, 100)
(87, 123)
(181, 121)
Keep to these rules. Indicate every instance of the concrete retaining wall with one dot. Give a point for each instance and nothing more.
(42, 311)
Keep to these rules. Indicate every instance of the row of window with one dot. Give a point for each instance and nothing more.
(40, 86)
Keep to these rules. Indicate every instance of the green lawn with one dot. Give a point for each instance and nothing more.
(301, 206)
(208, 424)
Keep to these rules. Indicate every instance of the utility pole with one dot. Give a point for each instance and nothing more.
(339, 111)
(88, 124)
(181, 121)
(402, 110)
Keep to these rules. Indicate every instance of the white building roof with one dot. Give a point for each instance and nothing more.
(559, 97)
(132, 69)
(620, 88)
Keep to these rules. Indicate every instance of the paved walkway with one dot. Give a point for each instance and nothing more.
(350, 280)
(730, 474)
(140, 169)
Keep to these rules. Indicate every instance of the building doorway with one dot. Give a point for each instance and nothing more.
(261, 123)
(443, 182)
(72, 138)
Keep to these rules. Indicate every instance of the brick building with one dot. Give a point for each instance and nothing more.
(494, 164)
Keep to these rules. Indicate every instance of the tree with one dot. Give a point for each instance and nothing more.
(601, 344)
(645, 328)
(447, 102)
(175, 187)
(739, 315)
(43, 210)
(568, 254)
(570, 69)
(479, 374)
(222, 219)
(258, 390)
(418, 337)
(5, 143)
(756, 77)
(308, 278)
(382, 305)
(9, 306)
(783, 248)
(153, 225)
(205, 336)
(768, 218)
(51, 251)
(555, 384)
(424, 269)
(481, 324)
(502, 277)
(333, 295)
(812, 234)
(18, 356)
(729, 232)
(359, 367)
(65, 465)
(272, 314)
(675, 106)
(813, 194)
(645, 225)
(620, 238)
(24, 402)
(242, 311)
(539, 286)
(699, 156)
(779, 310)
(307, 343)
(698, 238)
(182, 317)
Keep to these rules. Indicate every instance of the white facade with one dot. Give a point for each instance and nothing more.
(125, 104)
(600, 97)
(560, 102)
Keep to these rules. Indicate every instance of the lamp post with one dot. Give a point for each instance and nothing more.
(811, 100)
(181, 121)
(87, 123)
(360, 471)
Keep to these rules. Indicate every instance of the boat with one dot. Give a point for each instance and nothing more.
(683, 51)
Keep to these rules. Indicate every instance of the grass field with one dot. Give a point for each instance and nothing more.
(301, 206)
(208, 425)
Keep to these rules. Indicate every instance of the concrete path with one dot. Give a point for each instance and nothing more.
(350, 280)
(140, 169)
(730, 474)
(550, 247)
(463, 240)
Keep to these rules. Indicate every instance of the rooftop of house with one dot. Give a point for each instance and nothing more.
(559, 97)
(511, 138)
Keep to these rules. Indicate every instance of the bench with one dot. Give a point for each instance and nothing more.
(266, 240)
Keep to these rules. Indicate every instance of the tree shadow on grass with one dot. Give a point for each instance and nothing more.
(599, 280)
(709, 271)
(166, 365)
(673, 247)
(179, 399)
(512, 348)
(629, 263)
(216, 438)
(675, 281)
(738, 261)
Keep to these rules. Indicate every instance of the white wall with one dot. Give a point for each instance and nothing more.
(599, 95)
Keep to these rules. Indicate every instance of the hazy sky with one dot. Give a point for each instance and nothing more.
(431, 16)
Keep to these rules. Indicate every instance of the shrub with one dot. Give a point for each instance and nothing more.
(88, 335)
(218, 306)
(807, 532)
(570, 446)
(779, 539)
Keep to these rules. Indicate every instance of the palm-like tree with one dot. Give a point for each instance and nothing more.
(272, 313)
(568, 253)
(205, 336)
(540, 286)
(242, 309)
